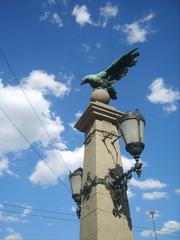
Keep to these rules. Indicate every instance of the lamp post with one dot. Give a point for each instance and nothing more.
(152, 214)
(131, 127)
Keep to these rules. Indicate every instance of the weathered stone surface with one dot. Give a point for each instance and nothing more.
(97, 220)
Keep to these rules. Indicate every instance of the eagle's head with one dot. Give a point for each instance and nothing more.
(86, 79)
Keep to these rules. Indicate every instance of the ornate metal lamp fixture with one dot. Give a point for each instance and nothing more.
(131, 127)
(75, 179)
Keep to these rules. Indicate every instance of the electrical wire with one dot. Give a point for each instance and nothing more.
(72, 220)
(37, 209)
(34, 149)
(140, 227)
(39, 215)
(32, 107)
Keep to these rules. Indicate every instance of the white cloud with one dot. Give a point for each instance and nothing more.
(45, 16)
(177, 191)
(136, 32)
(147, 233)
(98, 45)
(42, 81)
(169, 227)
(42, 174)
(52, 17)
(52, 2)
(91, 58)
(8, 218)
(147, 18)
(85, 47)
(127, 163)
(4, 167)
(77, 116)
(138, 209)
(36, 86)
(12, 235)
(26, 211)
(56, 19)
(107, 12)
(154, 195)
(82, 15)
(161, 94)
(147, 184)
(73, 209)
(130, 194)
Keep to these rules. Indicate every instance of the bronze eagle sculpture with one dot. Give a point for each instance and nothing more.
(113, 73)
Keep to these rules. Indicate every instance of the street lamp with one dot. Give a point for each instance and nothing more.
(75, 179)
(131, 127)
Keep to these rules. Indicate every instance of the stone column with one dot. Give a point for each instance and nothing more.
(97, 221)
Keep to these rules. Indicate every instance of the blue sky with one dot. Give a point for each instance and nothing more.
(51, 45)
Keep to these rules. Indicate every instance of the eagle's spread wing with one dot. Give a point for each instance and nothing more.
(120, 67)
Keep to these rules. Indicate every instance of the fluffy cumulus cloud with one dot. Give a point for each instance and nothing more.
(82, 15)
(147, 184)
(136, 32)
(127, 163)
(169, 227)
(52, 17)
(154, 195)
(43, 176)
(12, 235)
(161, 94)
(107, 12)
(46, 83)
(36, 86)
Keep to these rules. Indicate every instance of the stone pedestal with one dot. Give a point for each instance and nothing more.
(97, 221)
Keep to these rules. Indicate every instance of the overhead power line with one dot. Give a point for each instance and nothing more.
(32, 107)
(40, 215)
(37, 209)
(34, 149)
(72, 220)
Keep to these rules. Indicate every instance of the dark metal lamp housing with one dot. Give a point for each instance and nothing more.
(75, 179)
(131, 126)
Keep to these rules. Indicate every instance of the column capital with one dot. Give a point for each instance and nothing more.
(97, 111)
